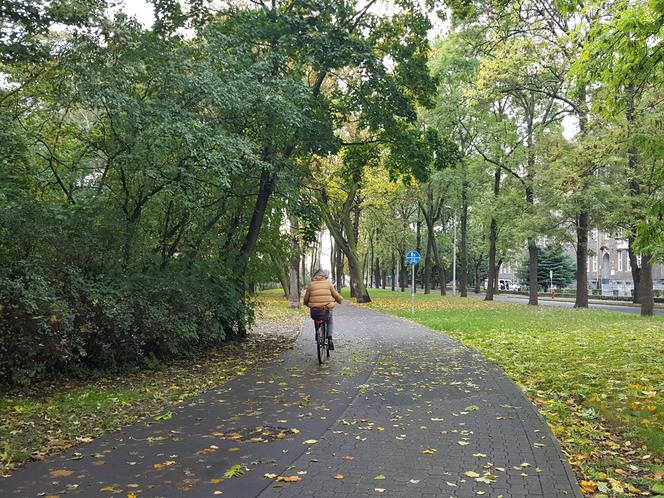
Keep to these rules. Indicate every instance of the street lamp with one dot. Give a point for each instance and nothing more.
(454, 250)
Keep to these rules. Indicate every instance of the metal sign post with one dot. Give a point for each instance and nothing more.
(553, 293)
(412, 258)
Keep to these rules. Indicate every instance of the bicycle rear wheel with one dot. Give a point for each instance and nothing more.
(321, 343)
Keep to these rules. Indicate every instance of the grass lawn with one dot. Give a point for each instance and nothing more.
(52, 416)
(597, 376)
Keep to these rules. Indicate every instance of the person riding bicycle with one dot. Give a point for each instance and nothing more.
(322, 294)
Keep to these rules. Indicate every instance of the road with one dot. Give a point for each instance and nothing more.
(400, 411)
(568, 304)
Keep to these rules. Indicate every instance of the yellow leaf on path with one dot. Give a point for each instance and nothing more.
(270, 476)
(348, 458)
(379, 490)
(472, 474)
(61, 473)
(310, 441)
(218, 493)
(289, 478)
(133, 485)
(131, 494)
(339, 476)
(109, 489)
(215, 481)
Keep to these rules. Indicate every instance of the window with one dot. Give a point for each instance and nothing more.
(620, 261)
(594, 263)
(588, 264)
(629, 264)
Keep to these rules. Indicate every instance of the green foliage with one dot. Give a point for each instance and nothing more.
(550, 258)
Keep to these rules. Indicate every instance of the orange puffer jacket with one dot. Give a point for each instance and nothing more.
(321, 293)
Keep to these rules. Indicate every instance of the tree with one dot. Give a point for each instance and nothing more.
(551, 258)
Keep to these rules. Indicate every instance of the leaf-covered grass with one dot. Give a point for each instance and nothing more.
(51, 416)
(597, 376)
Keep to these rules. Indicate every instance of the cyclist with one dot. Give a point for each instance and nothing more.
(322, 294)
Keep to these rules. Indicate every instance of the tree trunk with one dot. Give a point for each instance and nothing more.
(582, 260)
(463, 260)
(646, 291)
(477, 276)
(418, 246)
(340, 269)
(393, 283)
(492, 276)
(443, 280)
(356, 272)
(636, 271)
(266, 188)
(427, 266)
(496, 282)
(294, 271)
(377, 275)
(533, 287)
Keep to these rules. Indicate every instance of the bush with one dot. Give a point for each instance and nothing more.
(107, 322)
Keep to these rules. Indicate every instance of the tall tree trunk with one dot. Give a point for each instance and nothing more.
(403, 275)
(636, 271)
(393, 283)
(443, 280)
(282, 274)
(492, 276)
(646, 291)
(427, 266)
(340, 269)
(583, 218)
(643, 291)
(533, 287)
(418, 246)
(463, 259)
(266, 188)
(493, 239)
(345, 234)
(294, 271)
(477, 276)
(581, 260)
(377, 273)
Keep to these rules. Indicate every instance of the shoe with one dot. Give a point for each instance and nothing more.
(330, 344)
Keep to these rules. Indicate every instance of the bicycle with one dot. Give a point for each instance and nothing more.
(320, 317)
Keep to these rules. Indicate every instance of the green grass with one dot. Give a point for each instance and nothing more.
(51, 416)
(597, 376)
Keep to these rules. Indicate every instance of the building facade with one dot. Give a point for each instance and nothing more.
(609, 268)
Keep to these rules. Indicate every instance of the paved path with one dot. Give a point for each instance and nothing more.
(401, 411)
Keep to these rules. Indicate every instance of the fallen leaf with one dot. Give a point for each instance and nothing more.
(588, 487)
(379, 490)
(414, 481)
(379, 477)
(348, 458)
(61, 473)
(270, 476)
(310, 441)
(289, 478)
(339, 476)
(471, 473)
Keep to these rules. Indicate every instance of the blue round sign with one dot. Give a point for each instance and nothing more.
(413, 257)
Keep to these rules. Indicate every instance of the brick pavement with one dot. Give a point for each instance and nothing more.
(401, 411)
